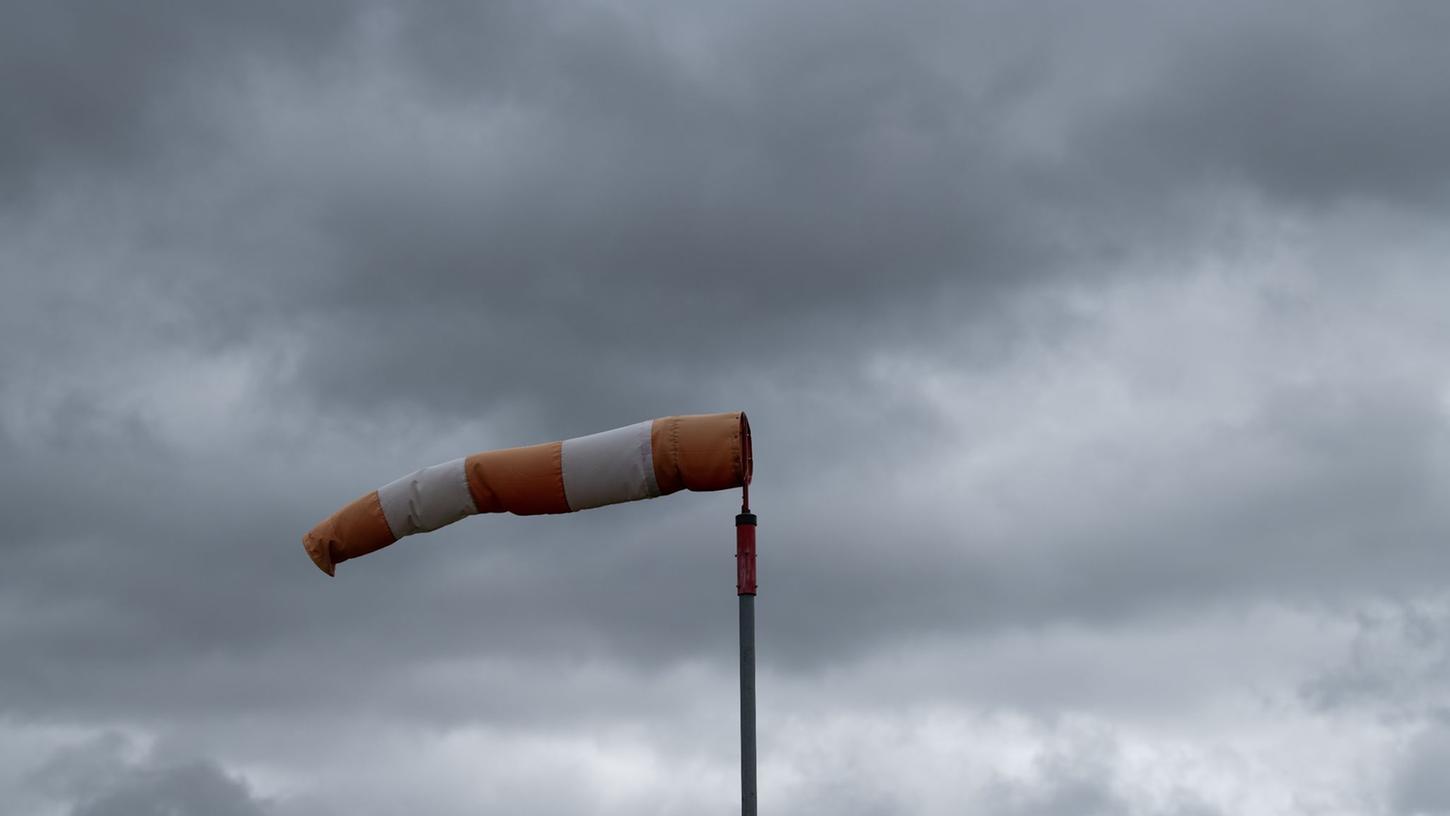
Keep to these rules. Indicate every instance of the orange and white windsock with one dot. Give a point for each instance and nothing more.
(640, 461)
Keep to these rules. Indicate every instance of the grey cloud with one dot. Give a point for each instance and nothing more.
(98, 778)
(93, 89)
(257, 262)
(532, 588)
(1080, 784)
(1072, 796)
(1310, 112)
(1420, 787)
(695, 228)
(1394, 664)
(186, 790)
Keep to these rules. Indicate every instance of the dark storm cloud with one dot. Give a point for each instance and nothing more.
(1394, 666)
(97, 778)
(653, 231)
(1079, 783)
(92, 89)
(1059, 797)
(650, 228)
(258, 261)
(1420, 787)
(186, 790)
(638, 252)
(1309, 112)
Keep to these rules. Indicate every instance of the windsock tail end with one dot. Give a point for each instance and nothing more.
(357, 529)
(317, 550)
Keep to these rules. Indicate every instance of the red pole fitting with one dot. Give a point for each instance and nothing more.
(745, 554)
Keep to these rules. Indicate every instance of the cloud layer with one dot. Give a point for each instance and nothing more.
(1096, 359)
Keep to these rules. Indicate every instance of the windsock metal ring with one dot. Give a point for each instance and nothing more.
(641, 461)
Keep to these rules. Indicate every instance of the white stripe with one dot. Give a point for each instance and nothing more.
(610, 467)
(427, 499)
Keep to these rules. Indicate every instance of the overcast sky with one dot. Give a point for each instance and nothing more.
(1098, 357)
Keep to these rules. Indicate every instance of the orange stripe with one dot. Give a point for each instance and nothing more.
(525, 481)
(698, 452)
(357, 529)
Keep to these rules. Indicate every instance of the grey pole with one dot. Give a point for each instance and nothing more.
(747, 705)
(745, 588)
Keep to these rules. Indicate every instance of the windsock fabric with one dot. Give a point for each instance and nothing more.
(654, 458)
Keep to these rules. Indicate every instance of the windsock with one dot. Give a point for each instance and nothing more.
(640, 461)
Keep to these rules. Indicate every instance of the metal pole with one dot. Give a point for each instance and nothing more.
(745, 588)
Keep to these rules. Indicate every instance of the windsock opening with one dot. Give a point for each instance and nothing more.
(747, 458)
(702, 452)
(747, 455)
